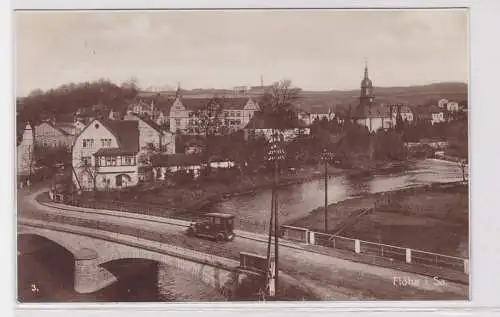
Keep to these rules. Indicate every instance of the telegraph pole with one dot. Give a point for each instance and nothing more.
(275, 154)
(325, 157)
(326, 196)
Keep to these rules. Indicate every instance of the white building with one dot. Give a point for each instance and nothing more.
(236, 113)
(25, 152)
(105, 155)
(452, 106)
(260, 126)
(437, 115)
(442, 103)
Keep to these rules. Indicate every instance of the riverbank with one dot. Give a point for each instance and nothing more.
(198, 196)
(433, 218)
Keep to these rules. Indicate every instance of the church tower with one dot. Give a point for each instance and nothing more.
(366, 97)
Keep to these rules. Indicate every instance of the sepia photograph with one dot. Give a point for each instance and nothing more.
(242, 155)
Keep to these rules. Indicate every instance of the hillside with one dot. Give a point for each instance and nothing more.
(414, 95)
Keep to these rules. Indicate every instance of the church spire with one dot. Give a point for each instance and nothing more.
(178, 93)
(366, 70)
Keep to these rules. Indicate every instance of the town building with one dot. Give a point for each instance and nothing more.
(236, 113)
(316, 113)
(376, 116)
(48, 134)
(437, 114)
(263, 126)
(25, 152)
(452, 106)
(442, 103)
(166, 164)
(105, 154)
(152, 136)
(422, 115)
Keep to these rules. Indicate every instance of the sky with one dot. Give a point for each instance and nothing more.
(316, 49)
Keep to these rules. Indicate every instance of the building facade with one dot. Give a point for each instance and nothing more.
(377, 116)
(104, 155)
(236, 113)
(25, 152)
(152, 136)
(50, 135)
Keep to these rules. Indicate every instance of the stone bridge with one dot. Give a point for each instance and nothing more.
(92, 249)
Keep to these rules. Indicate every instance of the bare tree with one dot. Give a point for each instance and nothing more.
(278, 101)
(91, 171)
(209, 118)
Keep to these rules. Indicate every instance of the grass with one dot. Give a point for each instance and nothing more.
(431, 219)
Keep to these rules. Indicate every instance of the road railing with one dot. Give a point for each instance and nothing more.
(379, 250)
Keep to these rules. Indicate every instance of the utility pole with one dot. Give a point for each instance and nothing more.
(325, 157)
(275, 154)
(326, 196)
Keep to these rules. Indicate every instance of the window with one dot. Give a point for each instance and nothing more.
(88, 143)
(106, 142)
(86, 160)
(237, 113)
(177, 122)
(127, 160)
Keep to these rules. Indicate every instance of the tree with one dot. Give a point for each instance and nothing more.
(86, 169)
(277, 103)
(209, 118)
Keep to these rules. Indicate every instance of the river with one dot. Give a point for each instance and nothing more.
(298, 200)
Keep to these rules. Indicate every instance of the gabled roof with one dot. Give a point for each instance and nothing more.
(152, 124)
(261, 121)
(55, 127)
(176, 160)
(126, 133)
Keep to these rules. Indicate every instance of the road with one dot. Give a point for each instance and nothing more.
(329, 278)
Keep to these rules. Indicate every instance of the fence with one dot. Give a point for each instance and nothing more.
(429, 258)
(295, 233)
(149, 210)
(394, 253)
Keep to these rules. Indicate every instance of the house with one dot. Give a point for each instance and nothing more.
(442, 103)
(437, 114)
(236, 113)
(50, 135)
(452, 106)
(104, 155)
(25, 152)
(152, 136)
(309, 117)
(422, 115)
(405, 111)
(165, 164)
(262, 126)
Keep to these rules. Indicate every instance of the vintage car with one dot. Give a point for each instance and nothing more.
(218, 226)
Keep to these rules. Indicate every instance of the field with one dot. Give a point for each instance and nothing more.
(432, 219)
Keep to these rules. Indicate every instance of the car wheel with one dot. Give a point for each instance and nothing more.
(220, 237)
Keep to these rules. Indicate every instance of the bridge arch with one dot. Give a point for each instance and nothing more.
(92, 256)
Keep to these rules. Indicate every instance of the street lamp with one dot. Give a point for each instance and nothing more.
(275, 154)
(326, 157)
